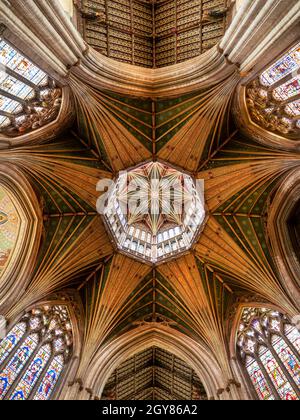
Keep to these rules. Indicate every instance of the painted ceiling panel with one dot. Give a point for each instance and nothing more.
(154, 374)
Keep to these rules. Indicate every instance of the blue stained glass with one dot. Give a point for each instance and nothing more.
(278, 378)
(259, 381)
(50, 379)
(16, 364)
(282, 68)
(15, 87)
(32, 374)
(11, 340)
(10, 106)
(290, 361)
(19, 64)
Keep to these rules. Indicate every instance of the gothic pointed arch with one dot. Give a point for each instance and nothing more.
(194, 354)
(267, 347)
(21, 229)
(41, 348)
(283, 232)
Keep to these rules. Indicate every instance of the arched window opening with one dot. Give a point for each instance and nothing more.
(9, 229)
(29, 99)
(269, 347)
(154, 374)
(273, 98)
(34, 354)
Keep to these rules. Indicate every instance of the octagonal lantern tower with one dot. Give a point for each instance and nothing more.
(154, 212)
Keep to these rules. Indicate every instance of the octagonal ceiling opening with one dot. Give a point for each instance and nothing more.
(154, 212)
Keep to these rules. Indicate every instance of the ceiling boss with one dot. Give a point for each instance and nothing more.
(154, 212)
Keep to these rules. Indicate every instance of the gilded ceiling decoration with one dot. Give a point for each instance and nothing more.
(152, 33)
(154, 212)
(231, 258)
(154, 374)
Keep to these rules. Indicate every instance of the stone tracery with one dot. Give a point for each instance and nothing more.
(28, 98)
(273, 97)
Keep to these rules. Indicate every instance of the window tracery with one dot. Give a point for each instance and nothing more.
(269, 347)
(34, 354)
(273, 97)
(29, 99)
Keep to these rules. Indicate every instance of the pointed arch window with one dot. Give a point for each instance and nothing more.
(34, 354)
(273, 98)
(268, 346)
(29, 99)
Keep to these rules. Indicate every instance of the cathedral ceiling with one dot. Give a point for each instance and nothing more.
(154, 374)
(152, 33)
(196, 293)
(232, 257)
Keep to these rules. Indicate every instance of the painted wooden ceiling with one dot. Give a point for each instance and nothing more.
(151, 33)
(195, 293)
(154, 374)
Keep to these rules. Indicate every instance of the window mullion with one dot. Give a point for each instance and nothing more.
(7, 114)
(285, 371)
(17, 76)
(290, 100)
(24, 368)
(267, 377)
(281, 81)
(40, 379)
(289, 344)
(5, 362)
(13, 97)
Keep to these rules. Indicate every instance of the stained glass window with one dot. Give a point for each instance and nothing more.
(289, 359)
(261, 385)
(50, 379)
(282, 68)
(34, 354)
(16, 364)
(293, 109)
(269, 351)
(29, 98)
(9, 343)
(273, 97)
(287, 90)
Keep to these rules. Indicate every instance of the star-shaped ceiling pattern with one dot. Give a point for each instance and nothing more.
(195, 292)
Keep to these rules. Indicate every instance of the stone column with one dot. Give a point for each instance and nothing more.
(258, 26)
(3, 324)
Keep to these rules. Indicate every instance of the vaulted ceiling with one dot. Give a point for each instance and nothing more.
(196, 294)
(154, 374)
